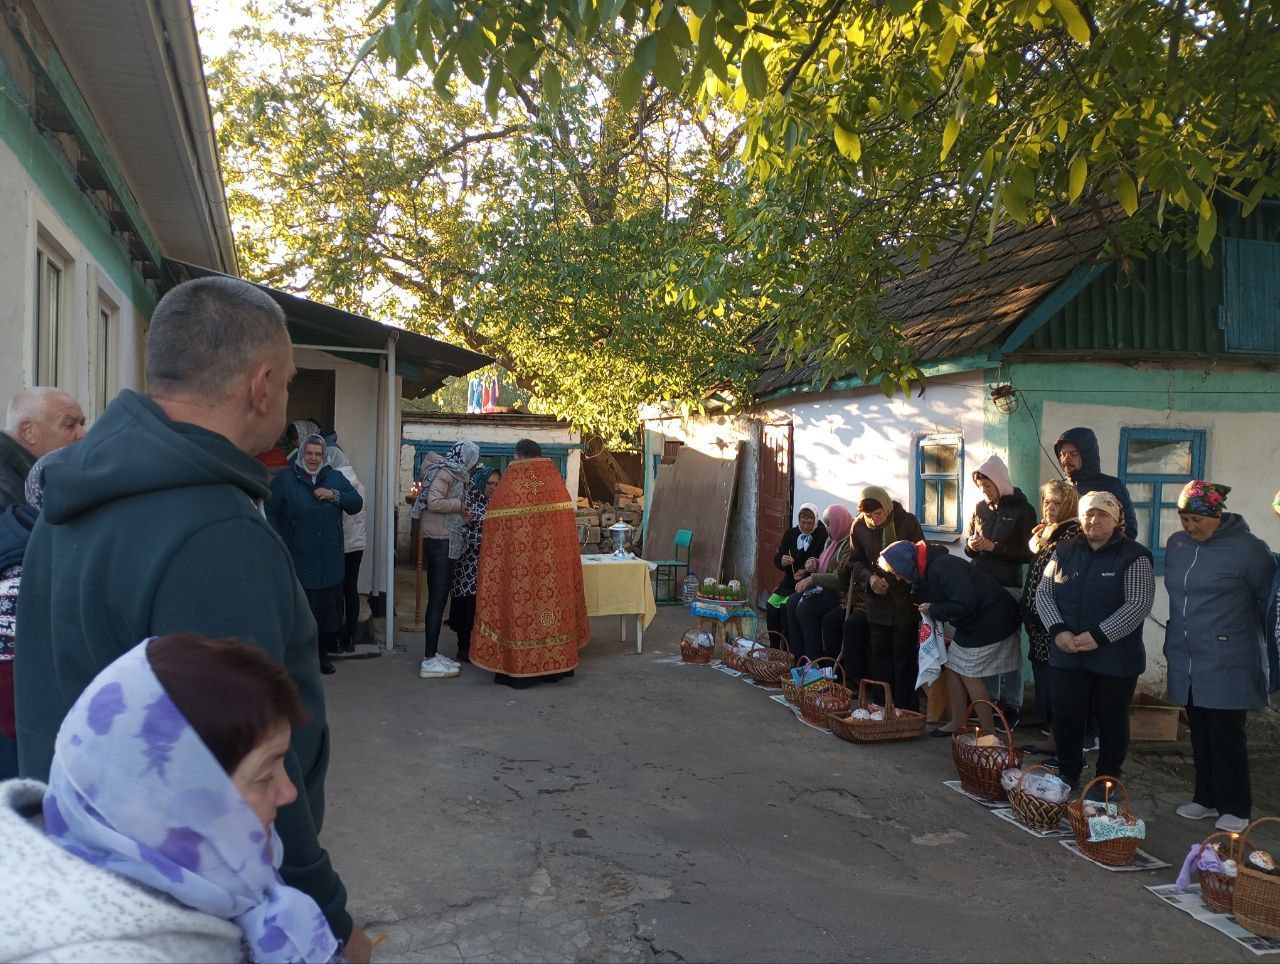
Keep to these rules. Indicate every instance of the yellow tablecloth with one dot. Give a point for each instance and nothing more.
(618, 587)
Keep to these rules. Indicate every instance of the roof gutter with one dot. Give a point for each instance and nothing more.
(183, 54)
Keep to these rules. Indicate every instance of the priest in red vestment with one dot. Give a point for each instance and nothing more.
(531, 614)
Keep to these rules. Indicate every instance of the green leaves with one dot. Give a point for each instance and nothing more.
(551, 85)
(1073, 21)
(949, 135)
(1078, 175)
(1126, 192)
(1207, 226)
(848, 143)
(754, 75)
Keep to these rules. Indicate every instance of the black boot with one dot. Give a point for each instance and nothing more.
(324, 642)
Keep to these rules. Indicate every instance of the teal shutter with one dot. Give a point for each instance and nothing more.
(1251, 296)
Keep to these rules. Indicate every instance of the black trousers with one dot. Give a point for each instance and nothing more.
(1071, 691)
(350, 594)
(1221, 752)
(809, 613)
(855, 651)
(1043, 677)
(895, 659)
(462, 618)
(775, 618)
(833, 635)
(439, 570)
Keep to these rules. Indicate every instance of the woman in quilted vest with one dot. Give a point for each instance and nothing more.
(1094, 596)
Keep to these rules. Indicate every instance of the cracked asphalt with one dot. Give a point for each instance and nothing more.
(651, 811)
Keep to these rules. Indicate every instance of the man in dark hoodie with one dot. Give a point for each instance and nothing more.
(153, 524)
(1077, 452)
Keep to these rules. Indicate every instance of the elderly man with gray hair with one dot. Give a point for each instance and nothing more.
(38, 421)
(153, 525)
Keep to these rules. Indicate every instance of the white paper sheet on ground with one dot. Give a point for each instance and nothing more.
(779, 698)
(1006, 814)
(727, 671)
(1189, 902)
(989, 804)
(1141, 860)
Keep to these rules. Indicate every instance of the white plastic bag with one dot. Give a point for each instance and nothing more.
(933, 651)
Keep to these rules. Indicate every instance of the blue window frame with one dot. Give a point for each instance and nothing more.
(939, 483)
(1155, 463)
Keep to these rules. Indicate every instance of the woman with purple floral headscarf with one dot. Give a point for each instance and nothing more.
(154, 839)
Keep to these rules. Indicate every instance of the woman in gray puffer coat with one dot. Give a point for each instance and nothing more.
(1218, 575)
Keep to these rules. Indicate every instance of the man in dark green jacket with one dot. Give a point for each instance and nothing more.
(153, 524)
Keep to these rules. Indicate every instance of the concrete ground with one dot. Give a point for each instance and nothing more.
(651, 811)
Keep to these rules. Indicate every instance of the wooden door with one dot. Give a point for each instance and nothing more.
(774, 517)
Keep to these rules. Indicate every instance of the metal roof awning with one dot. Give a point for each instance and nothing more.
(424, 363)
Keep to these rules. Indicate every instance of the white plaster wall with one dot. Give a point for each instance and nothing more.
(1242, 450)
(479, 431)
(358, 417)
(844, 441)
(24, 216)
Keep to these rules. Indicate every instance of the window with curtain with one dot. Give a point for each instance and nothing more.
(939, 475)
(1155, 463)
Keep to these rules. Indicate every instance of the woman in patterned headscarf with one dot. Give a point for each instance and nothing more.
(440, 507)
(158, 838)
(462, 596)
(1218, 575)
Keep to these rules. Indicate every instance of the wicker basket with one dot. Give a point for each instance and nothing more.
(729, 656)
(1216, 889)
(770, 661)
(896, 725)
(981, 767)
(1256, 901)
(818, 703)
(792, 690)
(690, 651)
(1032, 811)
(1114, 853)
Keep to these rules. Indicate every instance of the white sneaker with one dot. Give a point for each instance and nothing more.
(1193, 811)
(447, 661)
(436, 668)
(1231, 824)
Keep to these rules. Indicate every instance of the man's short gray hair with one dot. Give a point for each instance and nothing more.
(31, 403)
(206, 333)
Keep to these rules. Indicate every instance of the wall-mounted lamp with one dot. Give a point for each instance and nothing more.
(1005, 398)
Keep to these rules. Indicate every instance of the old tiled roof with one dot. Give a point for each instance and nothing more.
(961, 303)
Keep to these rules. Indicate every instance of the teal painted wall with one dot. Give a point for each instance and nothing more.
(1154, 388)
(56, 182)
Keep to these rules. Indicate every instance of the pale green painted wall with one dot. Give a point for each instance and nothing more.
(1149, 387)
(56, 182)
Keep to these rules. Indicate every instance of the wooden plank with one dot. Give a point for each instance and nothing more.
(694, 492)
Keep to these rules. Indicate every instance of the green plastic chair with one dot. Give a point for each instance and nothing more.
(667, 571)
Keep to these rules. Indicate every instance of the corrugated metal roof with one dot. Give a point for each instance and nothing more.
(963, 302)
(423, 362)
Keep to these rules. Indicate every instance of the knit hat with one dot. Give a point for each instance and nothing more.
(1105, 501)
(1203, 498)
(904, 559)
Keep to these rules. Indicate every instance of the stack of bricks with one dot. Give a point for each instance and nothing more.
(627, 506)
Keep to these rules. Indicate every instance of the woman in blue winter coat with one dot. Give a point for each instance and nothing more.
(307, 503)
(1219, 576)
